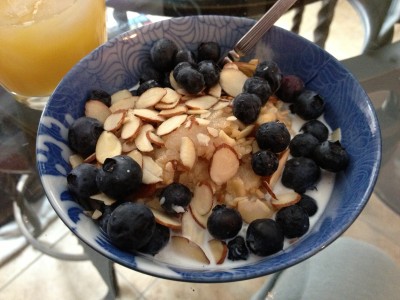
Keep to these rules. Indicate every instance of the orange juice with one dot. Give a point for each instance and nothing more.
(40, 40)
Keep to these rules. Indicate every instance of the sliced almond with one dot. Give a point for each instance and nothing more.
(128, 146)
(150, 97)
(274, 178)
(96, 214)
(114, 121)
(285, 199)
(97, 110)
(215, 90)
(103, 198)
(131, 128)
(245, 132)
(178, 110)
(171, 96)
(124, 104)
(187, 152)
(170, 124)
(213, 131)
(136, 156)
(152, 172)
(163, 106)
(121, 94)
(202, 200)
(220, 105)
(75, 160)
(154, 138)
(167, 220)
(148, 115)
(141, 141)
(200, 219)
(232, 81)
(202, 102)
(267, 186)
(91, 158)
(253, 209)
(203, 139)
(191, 229)
(186, 248)
(219, 250)
(226, 138)
(197, 111)
(224, 164)
(203, 122)
(108, 145)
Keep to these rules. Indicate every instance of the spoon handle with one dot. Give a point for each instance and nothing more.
(248, 41)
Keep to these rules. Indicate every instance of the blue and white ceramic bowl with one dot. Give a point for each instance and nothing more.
(118, 64)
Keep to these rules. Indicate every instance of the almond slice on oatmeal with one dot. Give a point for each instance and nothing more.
(171, 124)
(183, 247)
(97, 110)
(152, 172)
(128, 146)
(178, 110)
(114, 121)
(150, 97)
(75, 160)
(141, 141)
(137, 156)
(285, 199)
(274, 178)
(155, 139)
(187, 152)
(252, 209)
(219, 250)
(191, 229)
(124, 104)
(148, 115)
(202, 102)
(167, 220)
(215, 90)
(163, 106)
(131, 128)
(220, 105)
(108, 145)
(232, 81)
(121, 94)
(171, 96)
(202, 200)
(224, 164)
(103, 198)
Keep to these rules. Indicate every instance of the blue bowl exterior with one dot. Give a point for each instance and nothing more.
(118, 64)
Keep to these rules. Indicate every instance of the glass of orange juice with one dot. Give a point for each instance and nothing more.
(40, 40)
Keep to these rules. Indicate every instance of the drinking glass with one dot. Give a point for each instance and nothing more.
(40, 40)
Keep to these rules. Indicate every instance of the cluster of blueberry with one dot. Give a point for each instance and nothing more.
(132, 226)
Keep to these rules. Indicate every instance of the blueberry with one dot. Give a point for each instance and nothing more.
(224, 222)
(119, 177)
(81, 181)
(258, 86)
(308, 204)
(147, 85)
(163, 53)
(264, 237)
(180, 66)
(208, 51)
(300, 174)
(131, 226)
(105, 216)
(294, 221)
(246, 107)
(185, 55)
(159, 240)
(237, 249)
(317, 129)
(331, 156)
(303, 144)
(269, 70)
(308, 105)
(291, 87)
(83, 135)
(150, 73)
(191, 80)
(175, 198)
(264, 162)
(273, 136)
(210, 72)
(100, 95)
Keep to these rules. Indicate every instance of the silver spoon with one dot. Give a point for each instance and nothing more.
(248, 41)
